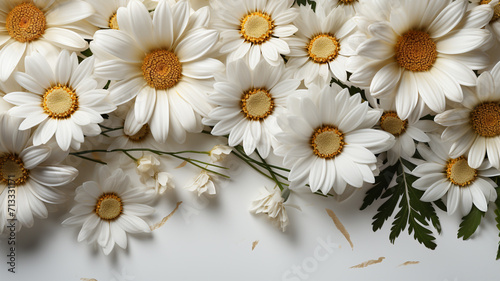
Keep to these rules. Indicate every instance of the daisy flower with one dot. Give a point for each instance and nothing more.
(405, 132)
(248, 103)
(319, 50)
(443, 174)
(272, 204)
(474, 125)
(43, 26)
(63, 100)
(256, 29)
(490, 11)
(105, 15)
(110, 208)
(327, 140)
(348, 6)
(160, 63)
(424, 52)
(34, 171)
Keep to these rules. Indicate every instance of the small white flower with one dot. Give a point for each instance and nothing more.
(202, 184)
(147, 165)
(220, 152)
(109, 208)
(271, 203)
(148, 168)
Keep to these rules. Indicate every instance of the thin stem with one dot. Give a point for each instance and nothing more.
(270, 171)
(237, 153)
(130, 156)
(90, 159)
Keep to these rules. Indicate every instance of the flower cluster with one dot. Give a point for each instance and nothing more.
(399, 95)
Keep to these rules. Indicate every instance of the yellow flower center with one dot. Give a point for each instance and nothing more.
(109, 206)
(60, 102)
(161, 69)
(327, 142)
(485, 119)
(113, 23)
(347, 2)
(415, 51)
(390, 122)
(257, 104)
(256, 27)
(25, 22)
(323, 48)
(141, 135)
(12, 167)
(459, 172)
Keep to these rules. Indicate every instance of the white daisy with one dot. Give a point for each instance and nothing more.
(248, 103)
(255, 28)
(320, 48)
(105, 15)
(348, 6)
(201, 184)
(272, 204)
(474, 125)
(110, 208)
(443, 174)
(328, 141)
(405, 131)
(490, 11)
(423, 53)
(35, 171)
(159, 63)
(63, 100)
(44, 26)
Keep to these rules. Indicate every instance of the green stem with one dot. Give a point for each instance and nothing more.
(91, 159)
(237, 153)
(284, 191)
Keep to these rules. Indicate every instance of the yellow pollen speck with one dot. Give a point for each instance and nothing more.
(256, 27)
(25, 22)
(327, 142)
(109, 206)
(113, 22)
(323, 48)
(485, 119)
(12, 166)
(161, 69)
(459, 172)
(390, 122)
(257, 104)
(60, 102)
(141, 135)
(415, 51)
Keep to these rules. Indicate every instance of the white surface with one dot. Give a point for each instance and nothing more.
(211, 239)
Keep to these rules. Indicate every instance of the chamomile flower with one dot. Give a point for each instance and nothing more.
(110, 208)
(248, 103)
(422, 53)
(160, 63)
(320, 48)
(271, 203)
(444, 174)
(485, 8)
(473, 127)
(34, 173)
(63, 101)
(43, 26)
(255, 28)
(328, 140)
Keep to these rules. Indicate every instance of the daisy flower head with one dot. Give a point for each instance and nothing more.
(405, 131)
(106, 11)
(490, 12)
(61, 100)
(160, 64)
(44, 26)
(348, 6)
(34, 173)
(473, 127)
(328, 140)
(444, 174)
(272, 204)
(255, 29)
(422, 53)
(319, 50)
(110, 208)
(248, 103)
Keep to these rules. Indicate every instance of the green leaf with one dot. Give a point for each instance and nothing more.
(413, 213)
(470, 223)
(382, 181)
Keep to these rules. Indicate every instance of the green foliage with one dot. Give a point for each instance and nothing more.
(305, 2)
(413, 213)
(470, 223)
